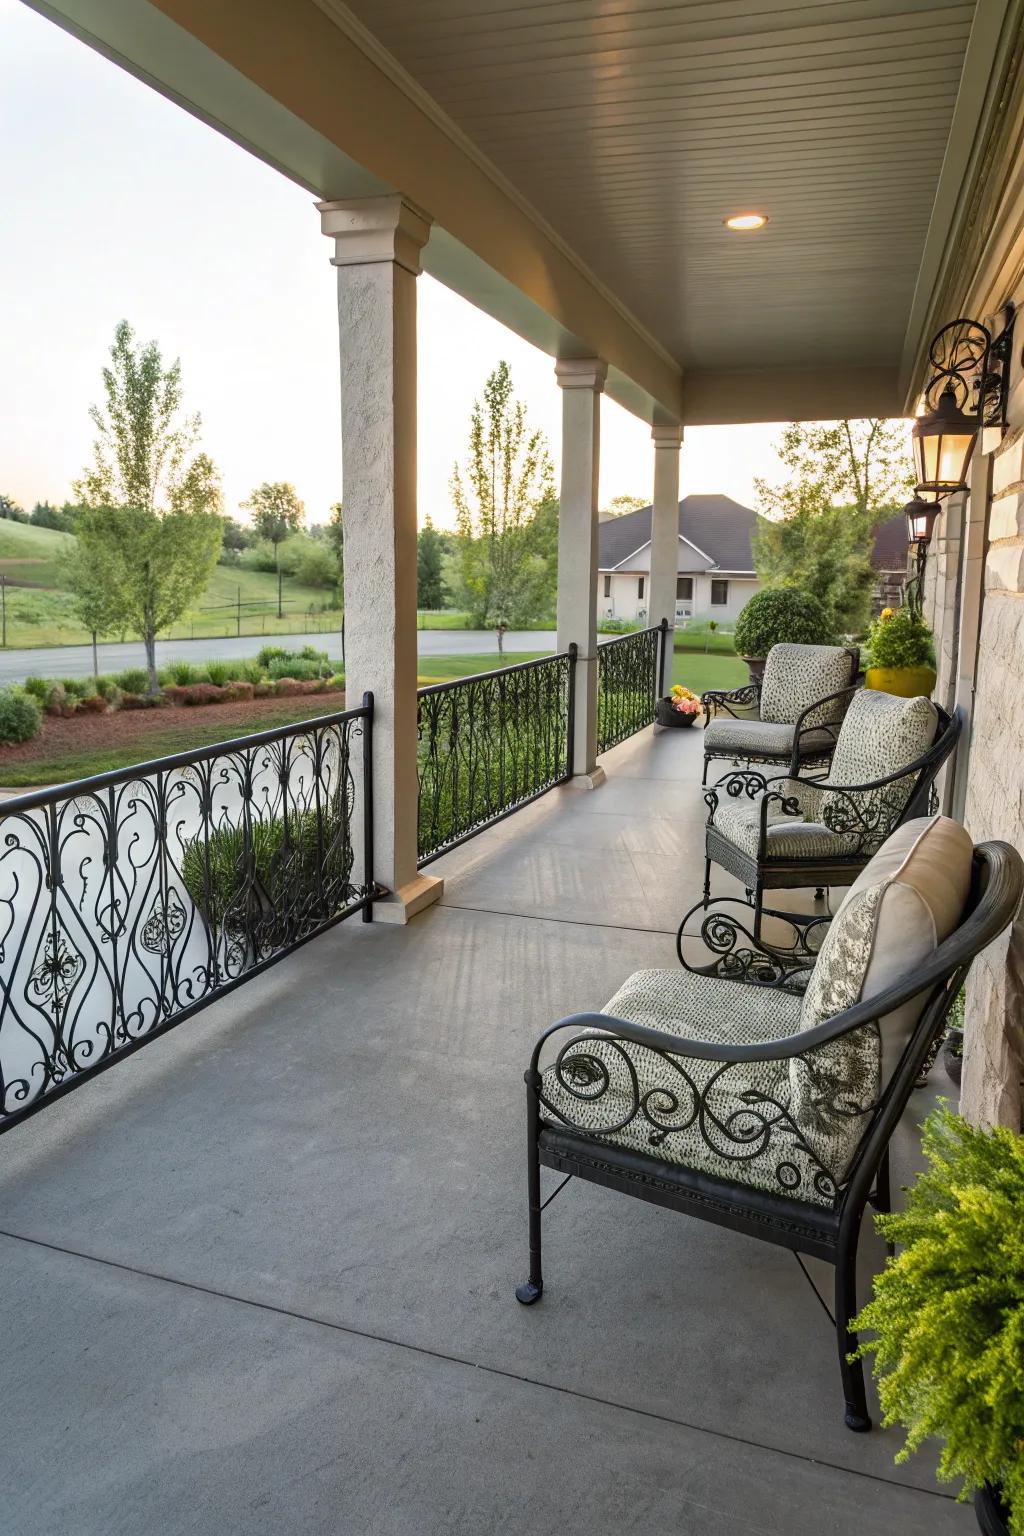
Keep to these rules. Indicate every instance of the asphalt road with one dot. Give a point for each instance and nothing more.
(76, 660)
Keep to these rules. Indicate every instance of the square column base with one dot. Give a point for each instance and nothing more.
(409, 899)
(592, 780)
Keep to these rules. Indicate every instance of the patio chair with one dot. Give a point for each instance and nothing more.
(796, 708)
(762, 1111)
(804, 830)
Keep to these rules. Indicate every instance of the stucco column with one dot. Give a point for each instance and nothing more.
(377, 245)
(665, 537)
(582, 382)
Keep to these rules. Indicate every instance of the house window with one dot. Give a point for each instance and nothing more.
(640, 588)
(684, 588)
(607, 583)
(719, 594)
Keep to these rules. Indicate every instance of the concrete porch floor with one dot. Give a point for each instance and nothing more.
(258, 1278)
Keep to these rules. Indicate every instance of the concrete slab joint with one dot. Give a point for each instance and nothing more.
(377, 246)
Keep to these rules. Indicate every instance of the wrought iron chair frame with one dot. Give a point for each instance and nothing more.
(830, 1234)
(720, 701)
(759, 873)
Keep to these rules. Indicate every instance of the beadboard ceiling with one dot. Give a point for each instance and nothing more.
(636, 127)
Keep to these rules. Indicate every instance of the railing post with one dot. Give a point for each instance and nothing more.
(368, 877)
(570, 713)
(663, 677)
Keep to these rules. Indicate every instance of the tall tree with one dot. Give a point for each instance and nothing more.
(149, 523)
(276, 513)
(429, 560)
(844, 478)
(620, 505)
(506, 476)
(12, 510)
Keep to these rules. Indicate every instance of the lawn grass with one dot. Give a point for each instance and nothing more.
(28, 553)
(698, 672)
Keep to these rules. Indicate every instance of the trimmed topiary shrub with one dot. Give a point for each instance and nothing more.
(780, 616)
(948, 1312)
(20, 716)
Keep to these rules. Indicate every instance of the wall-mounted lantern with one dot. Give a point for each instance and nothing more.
(966, 391)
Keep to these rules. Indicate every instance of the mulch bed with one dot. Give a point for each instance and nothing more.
(84, 732)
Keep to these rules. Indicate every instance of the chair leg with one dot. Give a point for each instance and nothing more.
(704, 775)
(882, 1200)
(758, 899)
(707, 881)
(532, 1290)
(852, 1371)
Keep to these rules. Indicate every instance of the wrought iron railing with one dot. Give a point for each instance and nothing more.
(489, 744)
(130, 900)
(629, 672)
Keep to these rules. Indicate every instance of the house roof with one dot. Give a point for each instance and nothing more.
(890, 548)
(718, 526)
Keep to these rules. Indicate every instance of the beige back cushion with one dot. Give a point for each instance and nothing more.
(907, 900)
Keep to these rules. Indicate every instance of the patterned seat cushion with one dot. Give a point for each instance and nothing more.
(788, 837)
(729, 1121)
(725, 737)
(880, 734)
(796, 675)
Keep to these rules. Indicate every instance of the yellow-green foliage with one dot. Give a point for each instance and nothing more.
(949, 1311)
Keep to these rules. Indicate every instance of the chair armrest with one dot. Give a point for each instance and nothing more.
(737, 783)
(731, 702)
(831, 724)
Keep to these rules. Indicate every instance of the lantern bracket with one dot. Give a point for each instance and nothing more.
(967, 361)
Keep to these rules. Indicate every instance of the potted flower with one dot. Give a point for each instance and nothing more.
(680, 709)
(948, 1315)
(775, 616)
(901, 654)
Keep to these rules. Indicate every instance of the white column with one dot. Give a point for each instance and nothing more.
(377, 245)
(665, 537)
(582, 382)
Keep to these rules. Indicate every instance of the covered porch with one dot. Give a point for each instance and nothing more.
(260, 1275)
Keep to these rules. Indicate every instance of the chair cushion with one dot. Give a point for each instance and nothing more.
(880, 734)
(729, 1121)
(905, 902)
(796, 675)
(789, 837)
(740, 738)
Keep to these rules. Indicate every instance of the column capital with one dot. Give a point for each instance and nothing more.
(581, 373)
(667, 434)
(366, 230)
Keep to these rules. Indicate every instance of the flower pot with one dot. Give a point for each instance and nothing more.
(991, 1513)
(755, 666)
(664, 714)
(907, 682)
(953, 1061)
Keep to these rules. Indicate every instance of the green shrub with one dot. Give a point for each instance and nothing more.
(298, 667)
(899, 637)
(20, 715)
(250, 672)
(268, 653)
(218, 673)
(948, 1313)
(107, 689)
(778, 616)
(78, 687)
(132, 680)
(57, 701)
(38, 688)
(181, 673)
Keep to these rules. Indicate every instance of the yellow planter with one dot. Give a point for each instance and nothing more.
(908, 682)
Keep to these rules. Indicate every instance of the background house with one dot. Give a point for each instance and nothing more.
(889, 558)
(715, 571)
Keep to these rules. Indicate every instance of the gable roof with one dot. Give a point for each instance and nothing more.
(718, 526)
(889, 551)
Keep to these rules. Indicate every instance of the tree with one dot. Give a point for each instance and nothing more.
(507, 475)
(236, 535)
(844, 478)
(94, 598)
(619, 505)
(276, 512)
(12, 510)
(429, 560)
(149, 527)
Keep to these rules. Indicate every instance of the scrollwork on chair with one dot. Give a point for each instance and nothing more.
(739, 783)
(722, 701)
(740, 956)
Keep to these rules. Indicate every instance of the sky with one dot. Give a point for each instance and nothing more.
(118, 204)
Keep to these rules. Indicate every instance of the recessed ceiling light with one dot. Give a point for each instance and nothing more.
(746, 221)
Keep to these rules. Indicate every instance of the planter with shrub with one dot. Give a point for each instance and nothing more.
(901, 654)
(779, 616)
(948, 1315)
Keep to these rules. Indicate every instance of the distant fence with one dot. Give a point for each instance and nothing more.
(629, 672)
(489, 744)
(130, 900)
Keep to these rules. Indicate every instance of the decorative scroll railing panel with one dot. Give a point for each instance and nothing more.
(629, 670)
(490, 744)
(130, 900)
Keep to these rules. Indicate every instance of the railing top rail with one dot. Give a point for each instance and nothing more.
(633, 634)
(75, 788)
(476, 677)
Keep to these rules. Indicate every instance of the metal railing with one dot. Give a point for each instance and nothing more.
(489, 744)
(629, 673)
(132, 899)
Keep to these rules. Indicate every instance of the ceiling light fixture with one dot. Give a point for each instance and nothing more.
(746, 221)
